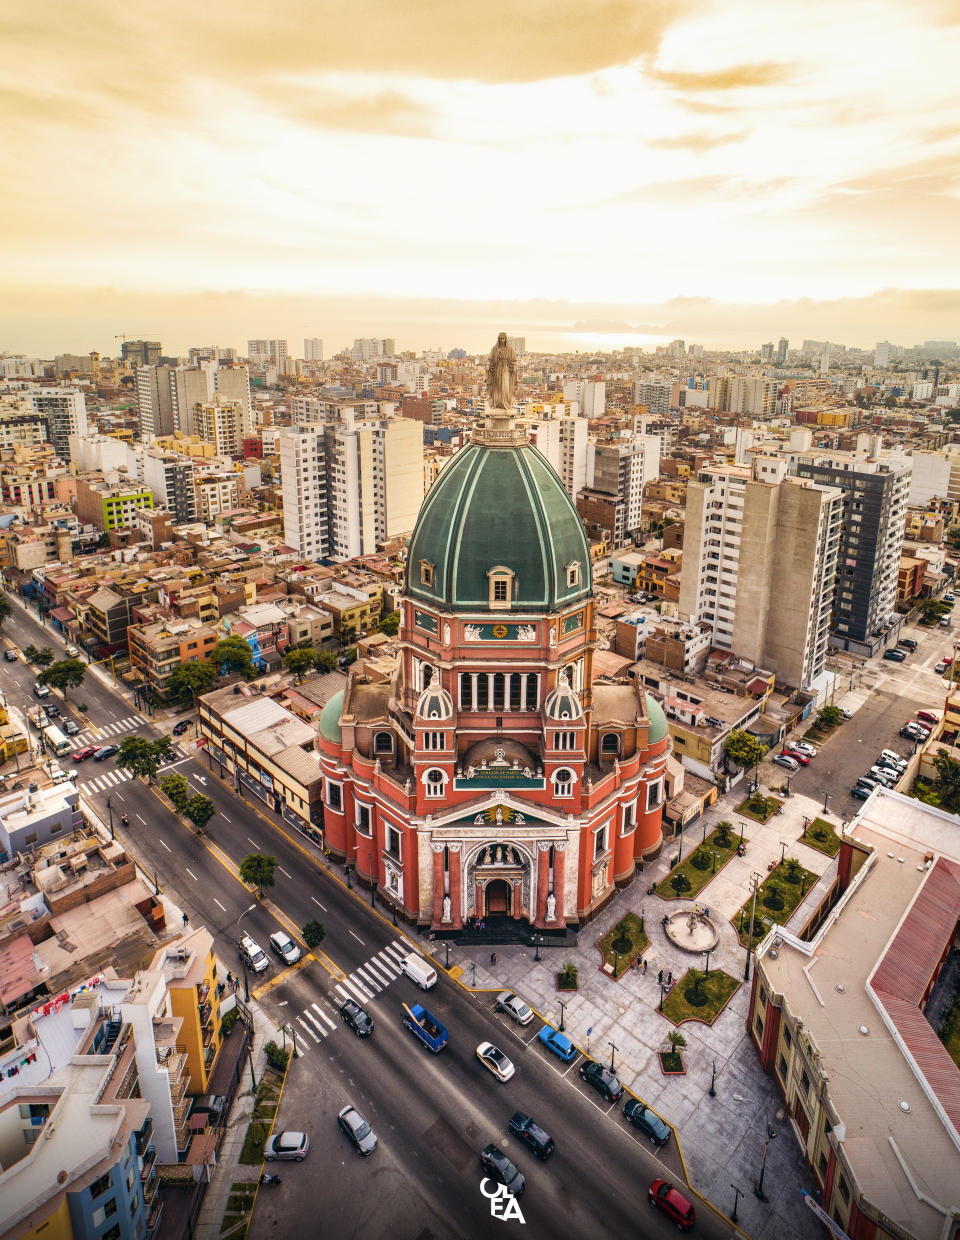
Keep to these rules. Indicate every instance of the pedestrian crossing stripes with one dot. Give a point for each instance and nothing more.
(366, 980)
(91, 736)
(103, 782)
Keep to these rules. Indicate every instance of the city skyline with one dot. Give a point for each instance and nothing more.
(618, 173)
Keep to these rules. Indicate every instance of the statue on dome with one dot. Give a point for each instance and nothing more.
(502, 375)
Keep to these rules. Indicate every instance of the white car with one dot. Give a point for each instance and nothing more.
(285, 947)
(514, 1006)
(804, 747)
(291, 1146)
(495, 1061)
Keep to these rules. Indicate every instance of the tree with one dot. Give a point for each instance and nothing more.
(677, 1041)
(829, 717)
(4, 608)
(325, 661)
(200, 809)
(64, 675)
(390, 624)
(313, 933)
(43, 657)
(144, 758)
(192, 679)
(176, 789)
(932, 610)
(743, 748)
(948, 780)
(300, 660)
(232, 654)
(30, 652)
(346, 633)
(258, 871)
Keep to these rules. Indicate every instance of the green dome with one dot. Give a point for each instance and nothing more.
(658, 720)
(498, 507)
(330, 718)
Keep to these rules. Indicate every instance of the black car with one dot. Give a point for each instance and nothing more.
(10, 655)
(531, 1134)
(860, 792)
(352, 1014)
(107, 751)
(895, 656)
(604, 1082)
(908, 642)
(497, 1164)
(181, 727)
(649, 1122)
(53, 710)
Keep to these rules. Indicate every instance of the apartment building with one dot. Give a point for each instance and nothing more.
(110, 507)
(170, 479)
(21, 425)
(189, 387)
(760, 562)
(217, 493)
(747, 394)
(221, 422)
(65, 412)
(876, 493)
(617, 475)
(141, 352)
(157, 650)
(564, 442)
(155, 386)
(232, 383)
(267, 352)
(591, 396)
(312, 349)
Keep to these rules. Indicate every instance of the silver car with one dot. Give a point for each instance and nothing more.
(514, 1006)
(356, 1129)
(285, 947)
(292, 1146)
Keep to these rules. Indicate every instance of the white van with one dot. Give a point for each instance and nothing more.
(417, 969)
(253, 954)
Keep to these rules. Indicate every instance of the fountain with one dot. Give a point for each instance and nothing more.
(692, 930)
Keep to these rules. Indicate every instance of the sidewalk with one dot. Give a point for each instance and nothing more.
(721, 1138)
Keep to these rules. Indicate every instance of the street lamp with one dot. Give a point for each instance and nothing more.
(706, 971)
(783, 850)
(243, 959)
(663, 991)
(742, 825)
(536, 940)
(758, 1187)
(713, 1080)
(613, 1051)
(826, 798)
(110, 812)
(753, 922)
(563, 1012)
(736, 1200)
(447, 946)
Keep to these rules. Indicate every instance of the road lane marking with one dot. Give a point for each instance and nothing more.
(143, 820)
(302, 1022)
(357, 937)
(254, 843)
(191, 873)
(166, 846)
(368, 979)
(225, 818)
(323, 1016)
(283, 872)
(121, 797)
(318, 904)
(216, 901)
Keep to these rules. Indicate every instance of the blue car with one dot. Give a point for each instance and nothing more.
(556, 1042)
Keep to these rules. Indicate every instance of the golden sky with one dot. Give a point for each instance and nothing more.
(590, 172)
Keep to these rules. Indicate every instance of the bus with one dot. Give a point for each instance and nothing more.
(54, 740)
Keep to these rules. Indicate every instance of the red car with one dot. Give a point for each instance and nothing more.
(86, 752)
(674, 1205)
(797, 756)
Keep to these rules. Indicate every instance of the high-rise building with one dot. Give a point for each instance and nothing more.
(875, 496)
(747, 394)
(267, 352)
(591, 395)
(233, 383)
(617, 473)
(312, 349)
(220, 422)
(783, 346)
(170, 478)
(759, 565)
(881, 354)
(564, 443)
(303, 477)
(655, 396)
(766, 352)
(155, 392)
(189, 387)
(141, 352)
(518, 344)
(65, 412)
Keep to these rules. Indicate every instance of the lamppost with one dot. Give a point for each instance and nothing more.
(703, 839)
(753, 921)
(243, 959)
(563, 1012)
(742, 825)
(616, 961)
(806, 823)
(663, 991)
(736, 1200)
(447, 946)
(714, 851)
(373, 892)
(713, 1080)
(783, 850)
(706, 971)
(110, 812)
(536, 940)
(613, 1051)
(758, 1187)
(826, 798)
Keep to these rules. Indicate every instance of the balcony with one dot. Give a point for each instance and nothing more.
(148, 1163)
(144, 1138)
(150, 1185)
(153, 1219)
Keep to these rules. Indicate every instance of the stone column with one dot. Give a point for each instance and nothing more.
(543, 881)
(490, 706)
(456, 899)
(559, 873)
(437, 884)
(473, 690)
(478, 909)
(516, 896)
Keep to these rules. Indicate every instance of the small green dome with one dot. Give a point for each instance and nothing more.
(330, 718)
(497, 507)
(658, 720)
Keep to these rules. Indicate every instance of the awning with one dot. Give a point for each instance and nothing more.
(63, 614)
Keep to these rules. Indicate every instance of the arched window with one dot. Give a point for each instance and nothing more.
(563, 782)
(383, 742)
(502, 587)
(434, 781)
(610, 745)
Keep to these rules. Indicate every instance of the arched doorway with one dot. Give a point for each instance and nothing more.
(497, 898)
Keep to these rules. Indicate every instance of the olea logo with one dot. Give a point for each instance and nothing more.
(503, 1204)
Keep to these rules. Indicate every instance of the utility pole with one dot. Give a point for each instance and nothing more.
(755, 880)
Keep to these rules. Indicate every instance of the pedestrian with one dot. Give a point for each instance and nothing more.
(493, 957)
(644, 968)
(220, 989)
(660, 977)
(229, 979)
(670, 979)
(185, 919)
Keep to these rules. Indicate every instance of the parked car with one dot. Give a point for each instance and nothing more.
(495, 1061)
(604, 1082)
(797, 754)
(949, 597)
(784, 760)
(284, 946)
(352, 1014)
(860, 791)
(868, 781)
(802, 747)
(181, 727)
(514, 1006)
(896, 758)
(356, 1129)
(531, 1134)
(81, 755)
(908, 642)
(71, 651)
(648, 1122)
(941, 667)
(928, 716)
(886, 777)
(10, 655)
(498, 1165)
(847, 714)
(71, 727)
(41, 691)
(293, 1146)
(910, 732)
(557, 1042)
(106, 751)
(53, 710)
(944, 622)
(673, 1204)
(895, 656)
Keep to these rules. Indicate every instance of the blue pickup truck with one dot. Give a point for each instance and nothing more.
(555, 1041)
(427, 1028)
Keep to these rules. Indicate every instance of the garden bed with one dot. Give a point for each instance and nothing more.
(622, 945)
(821, 836)
(699, 996)
(671, 1063)
(693, 870)
(759, 807)
(778, 898)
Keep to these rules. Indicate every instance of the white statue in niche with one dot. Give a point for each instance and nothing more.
(446, 634)
(551, 907)
(447, 907)
(471, 633)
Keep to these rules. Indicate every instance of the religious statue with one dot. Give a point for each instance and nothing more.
(447, 906)
(501, 375)
(446, 634)
(551, 907)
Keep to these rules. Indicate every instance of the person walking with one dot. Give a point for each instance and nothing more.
(644, 968)
(493, 957)
(660, 978)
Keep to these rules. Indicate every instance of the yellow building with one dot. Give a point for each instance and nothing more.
(192, 991)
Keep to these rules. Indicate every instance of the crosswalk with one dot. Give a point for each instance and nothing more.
(104, 782)
(366, 980)
(111, 729)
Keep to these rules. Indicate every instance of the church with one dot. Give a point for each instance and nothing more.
(487, 777)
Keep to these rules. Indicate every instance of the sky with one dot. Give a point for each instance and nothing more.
(585, 173)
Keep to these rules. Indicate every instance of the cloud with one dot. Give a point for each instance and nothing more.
(718, 187)
(737, 77)
(387, 112)
(697, 141)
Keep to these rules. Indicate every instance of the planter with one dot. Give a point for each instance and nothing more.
(564, 983)
(671, 1063)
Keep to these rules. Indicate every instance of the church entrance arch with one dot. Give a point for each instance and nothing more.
(497, 898)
